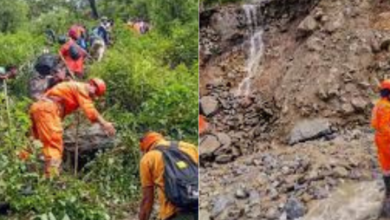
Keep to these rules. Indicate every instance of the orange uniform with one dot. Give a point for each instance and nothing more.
(202, 124)
(76, 66)
(152, 173)
(47, 114)
(381, 123)
(80, 31)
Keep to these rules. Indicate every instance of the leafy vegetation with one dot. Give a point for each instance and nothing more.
(152, 85)
(220, 2)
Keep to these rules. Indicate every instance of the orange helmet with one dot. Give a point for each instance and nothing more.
(385, 84)
(148, 140)
(100, 86)
(72, 33)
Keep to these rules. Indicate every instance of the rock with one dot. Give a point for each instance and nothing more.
(385, 43)
(209, 105)
(89, 138)
(204, 215)
(340, 172)
(294, 208)
(352, 201)
(220, 204)
(225, 158)
(272, 213)
(347, 109)
(254, 213)
(254, 197)
(208, 145)
(307, 26)
(314, 44)
(241, 194)
(309, 129)
(223, 150)
(335, 24)
(359, 104)
(224, 139)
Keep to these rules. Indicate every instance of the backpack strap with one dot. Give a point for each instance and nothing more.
(174, 145)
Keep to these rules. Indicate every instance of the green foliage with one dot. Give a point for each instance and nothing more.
(174, 107)
(162, 14)
(13, 14)
(58, 21)
(214, 2)
(18, 48)
(152, 85)
(42, 7)
(111, 172)
(141, 80)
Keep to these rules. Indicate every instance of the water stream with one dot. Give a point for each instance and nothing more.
(256, 50)
(351, 201)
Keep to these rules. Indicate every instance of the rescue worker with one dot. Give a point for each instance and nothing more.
(102, 30)
(203, 125)
(152, 177)
(381, 123)
(73, 55)
(58, 102)
(81, 34)
(49, 71)
(62, 39)
(50, 35)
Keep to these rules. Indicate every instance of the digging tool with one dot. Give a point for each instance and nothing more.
(67, 68)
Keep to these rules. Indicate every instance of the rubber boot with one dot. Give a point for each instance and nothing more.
(386, 202)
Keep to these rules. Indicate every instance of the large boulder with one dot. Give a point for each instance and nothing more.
(89, 138)
(354, 201)
(209, 105)
(309, 129)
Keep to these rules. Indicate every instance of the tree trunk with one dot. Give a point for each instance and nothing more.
(95, 13)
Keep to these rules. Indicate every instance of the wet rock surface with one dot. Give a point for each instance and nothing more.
(309, 129)
(314, 89)
(358, 201)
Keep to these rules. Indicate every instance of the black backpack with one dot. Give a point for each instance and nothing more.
(74, 52)
(46, 63)
(180, 178)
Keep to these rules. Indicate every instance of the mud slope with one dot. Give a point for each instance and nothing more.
(302, 130)
(321, 58)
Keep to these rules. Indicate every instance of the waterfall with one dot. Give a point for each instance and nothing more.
(256, 49)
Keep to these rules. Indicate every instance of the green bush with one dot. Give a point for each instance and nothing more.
(152, 85)
(19, 47)
(13, 15)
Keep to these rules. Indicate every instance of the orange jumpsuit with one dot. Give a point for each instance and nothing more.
(47, 115)
(202, 124)
(381, 123)
(76, 66)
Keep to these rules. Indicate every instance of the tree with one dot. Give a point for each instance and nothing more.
(95, 13)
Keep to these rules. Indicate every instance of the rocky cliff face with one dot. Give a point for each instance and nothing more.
(316, 80)
(321, 59)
